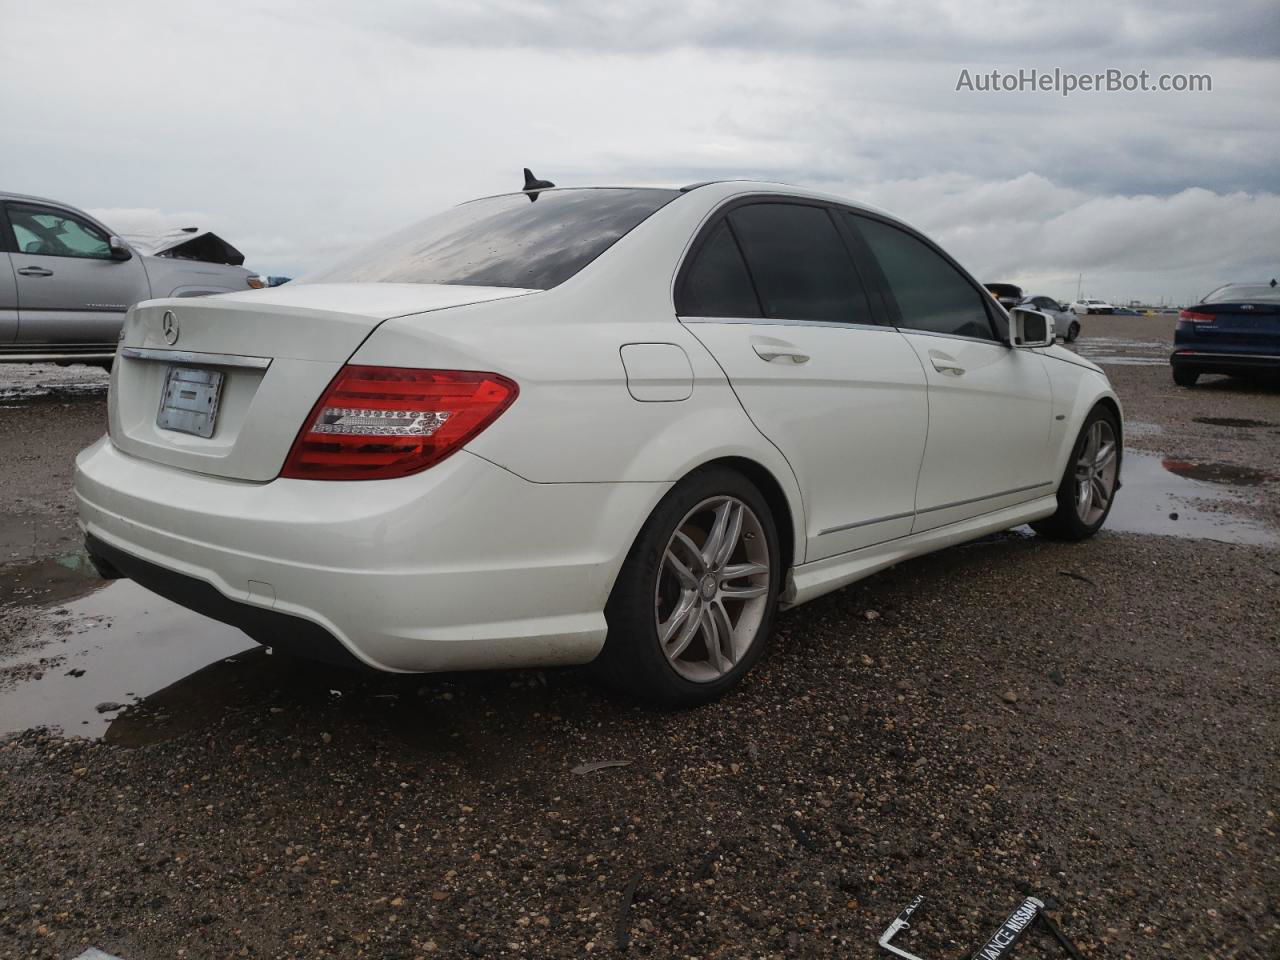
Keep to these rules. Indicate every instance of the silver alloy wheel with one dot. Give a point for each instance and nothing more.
(1096, 472)
(713, 589)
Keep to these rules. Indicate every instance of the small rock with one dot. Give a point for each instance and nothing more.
(109, 706)
(439, 895)
(1056, 677)
(872, 615)
(867, 661)
(1010, 697)
(75, 672)
(1173, 516)
(327, 737)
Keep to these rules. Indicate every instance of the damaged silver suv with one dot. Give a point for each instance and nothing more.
(66, 280)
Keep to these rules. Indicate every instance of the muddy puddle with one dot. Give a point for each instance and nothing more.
(1182, 498)
(132, 668)
(109, 649)
(1120, 351)
(46, 381)
(49, 579)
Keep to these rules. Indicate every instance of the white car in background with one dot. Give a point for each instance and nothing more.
(607, 425)
(1065, 323)
(1082, 307)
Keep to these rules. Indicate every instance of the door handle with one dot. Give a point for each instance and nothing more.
(773, 352)
(35, 272)
(949, 367)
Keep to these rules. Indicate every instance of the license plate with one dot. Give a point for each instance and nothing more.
(189, 403)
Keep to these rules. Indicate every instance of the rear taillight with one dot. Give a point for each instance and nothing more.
(256, 282)
(373, 423)
(1190, 316)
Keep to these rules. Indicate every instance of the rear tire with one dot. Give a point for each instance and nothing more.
(668, 587)
(1093, 468)
(1073, 332)
(1184, 377)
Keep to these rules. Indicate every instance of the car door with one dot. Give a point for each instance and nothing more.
(71, 290)
(989, 404)
(771, 289)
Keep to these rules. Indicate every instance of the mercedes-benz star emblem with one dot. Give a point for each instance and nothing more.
(169, 327)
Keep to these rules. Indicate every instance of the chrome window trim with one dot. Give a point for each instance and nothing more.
(779, 322)
(191, 356)
(954, 336)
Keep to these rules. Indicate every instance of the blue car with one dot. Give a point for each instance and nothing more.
(1234, 330)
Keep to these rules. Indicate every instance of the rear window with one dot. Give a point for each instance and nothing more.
(531, 241)
(1244, 293)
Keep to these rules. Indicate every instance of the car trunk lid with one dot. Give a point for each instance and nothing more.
(246, 368)
(1238, 322)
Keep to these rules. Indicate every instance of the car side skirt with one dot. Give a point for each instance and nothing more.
(811, 580)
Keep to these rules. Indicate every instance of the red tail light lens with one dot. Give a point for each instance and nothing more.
(373, 423)
(1192, 317)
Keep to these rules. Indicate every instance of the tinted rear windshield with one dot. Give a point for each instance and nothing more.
(1244, 293)
(533, 241)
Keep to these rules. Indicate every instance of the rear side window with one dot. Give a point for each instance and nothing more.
(932, 295)
(717, 284)
(801, 267)
(531, 241)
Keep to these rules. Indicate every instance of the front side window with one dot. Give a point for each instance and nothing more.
(932, 295)
(529, 241)
(717, 284)
(40, 231)
(801, 267)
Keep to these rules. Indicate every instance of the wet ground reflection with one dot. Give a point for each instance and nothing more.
(112, 647)
(1186, 499)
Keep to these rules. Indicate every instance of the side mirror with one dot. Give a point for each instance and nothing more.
(1030, 328)
(119, 249)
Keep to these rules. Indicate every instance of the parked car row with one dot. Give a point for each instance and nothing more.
(66, 279)
(1010, 295)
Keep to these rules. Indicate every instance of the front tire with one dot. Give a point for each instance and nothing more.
(1073, 331)
(1088, 486)
(693, 606)
(1185, 377)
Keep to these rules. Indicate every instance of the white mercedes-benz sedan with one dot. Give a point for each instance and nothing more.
(608, 425)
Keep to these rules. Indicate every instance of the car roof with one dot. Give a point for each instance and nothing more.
(6, 195)
(714, 192)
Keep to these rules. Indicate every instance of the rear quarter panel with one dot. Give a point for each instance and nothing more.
(575, 420)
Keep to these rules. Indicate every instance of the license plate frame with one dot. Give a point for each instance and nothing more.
(190, 399)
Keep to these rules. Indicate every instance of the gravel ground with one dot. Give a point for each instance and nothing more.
(1094, 723)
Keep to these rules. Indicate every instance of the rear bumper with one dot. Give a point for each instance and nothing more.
(1224, 361)
(464, 566)
(289, 634)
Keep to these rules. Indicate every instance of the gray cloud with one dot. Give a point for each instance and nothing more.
(302, 129)
(953, 30)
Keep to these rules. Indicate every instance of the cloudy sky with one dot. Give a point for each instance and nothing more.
(298, 129)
